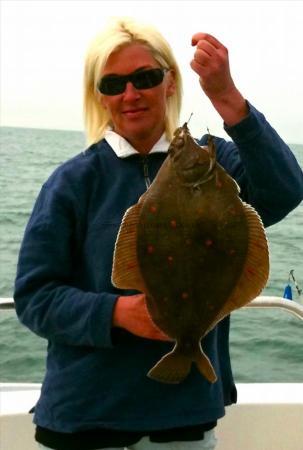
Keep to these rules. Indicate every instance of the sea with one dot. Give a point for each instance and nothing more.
(266, 345)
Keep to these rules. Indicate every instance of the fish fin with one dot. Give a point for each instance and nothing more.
(172, 367)
(255, 272)
(175, 366)
(125, 271)
(205, 367)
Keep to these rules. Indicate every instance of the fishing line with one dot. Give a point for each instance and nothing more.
(291, 274)
(288, 291)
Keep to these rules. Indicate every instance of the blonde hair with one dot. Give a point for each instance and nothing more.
(121, 32)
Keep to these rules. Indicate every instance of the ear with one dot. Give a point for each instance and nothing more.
(171, 85)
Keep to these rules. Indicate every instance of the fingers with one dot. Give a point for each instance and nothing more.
(158, 335)
(140, 322)
(196, 67)
(205, 37)
(204, 52)
(153, 331)
(210, 57)
(206, 47)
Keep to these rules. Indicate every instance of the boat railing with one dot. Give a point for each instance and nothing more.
(7, 303)
(290, 306)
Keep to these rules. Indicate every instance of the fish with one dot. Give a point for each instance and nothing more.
(195, 249)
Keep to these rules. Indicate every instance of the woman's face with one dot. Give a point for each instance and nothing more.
(137, 114)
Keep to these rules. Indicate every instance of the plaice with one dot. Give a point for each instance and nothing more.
(195, 249)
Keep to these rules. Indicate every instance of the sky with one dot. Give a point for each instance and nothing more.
(43, 44)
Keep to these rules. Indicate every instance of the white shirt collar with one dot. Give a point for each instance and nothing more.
(123, 148)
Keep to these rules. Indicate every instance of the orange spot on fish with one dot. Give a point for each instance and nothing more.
(150, 249)
(219, 183)
(173, 223)
(208, 242)
(184, 295)
(233, 211)
(153, 209)
(170, 259)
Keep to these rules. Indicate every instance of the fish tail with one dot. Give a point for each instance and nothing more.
(172, 368)
(205, 366)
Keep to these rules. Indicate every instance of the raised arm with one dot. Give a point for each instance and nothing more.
(211, 63)
(263, 165)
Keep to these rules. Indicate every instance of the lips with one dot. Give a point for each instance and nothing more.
(134, 112)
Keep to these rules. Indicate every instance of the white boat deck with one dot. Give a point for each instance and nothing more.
(266, 417)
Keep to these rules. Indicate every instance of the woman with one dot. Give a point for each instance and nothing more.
(101, 340)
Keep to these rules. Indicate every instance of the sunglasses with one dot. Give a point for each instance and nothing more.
(144, 79)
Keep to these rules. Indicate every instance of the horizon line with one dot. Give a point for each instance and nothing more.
(83, 131)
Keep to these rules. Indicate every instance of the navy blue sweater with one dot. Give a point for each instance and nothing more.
(96, 374)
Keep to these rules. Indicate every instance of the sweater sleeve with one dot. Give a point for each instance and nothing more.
(266, 170)
(46, 299)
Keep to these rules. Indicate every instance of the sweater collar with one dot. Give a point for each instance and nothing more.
(123, 148)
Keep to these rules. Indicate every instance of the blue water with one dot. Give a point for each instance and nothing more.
(266, 346)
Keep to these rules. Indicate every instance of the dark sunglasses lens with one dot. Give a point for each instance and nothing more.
(148, 78)
(112, 85)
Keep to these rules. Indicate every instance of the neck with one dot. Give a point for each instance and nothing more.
(143, 144)
(143, 147)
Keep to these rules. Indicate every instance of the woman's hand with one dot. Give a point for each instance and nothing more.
(211, 63)
(131, 314)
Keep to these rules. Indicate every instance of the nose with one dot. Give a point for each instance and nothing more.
(130, 92)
